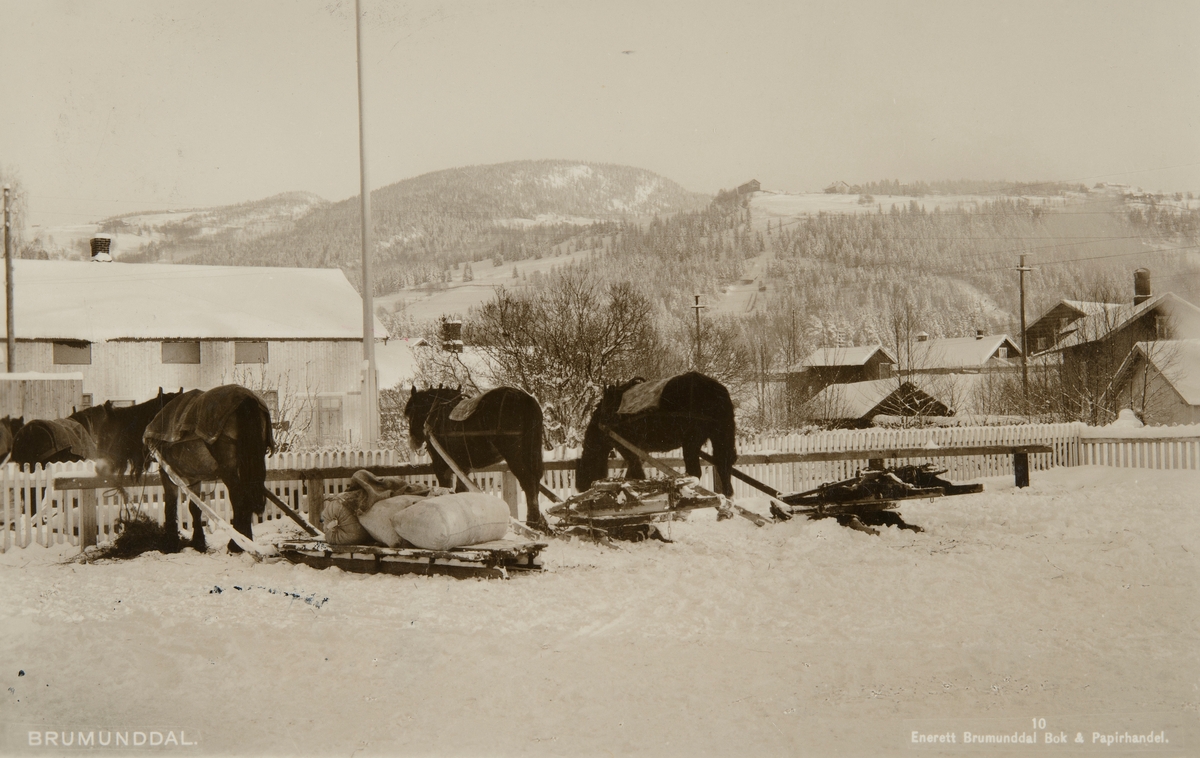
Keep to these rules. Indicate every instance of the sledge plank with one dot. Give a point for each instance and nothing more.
(749, 515)
(489, 559)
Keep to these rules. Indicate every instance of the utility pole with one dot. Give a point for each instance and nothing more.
(697, 308)
(1024, 360)
(370, 390)
(8, 284)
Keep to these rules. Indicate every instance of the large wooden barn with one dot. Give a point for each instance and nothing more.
(294, 335)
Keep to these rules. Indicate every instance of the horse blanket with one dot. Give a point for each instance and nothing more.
(643, 396)
(63, 435)
(468, 405)
(197, 414)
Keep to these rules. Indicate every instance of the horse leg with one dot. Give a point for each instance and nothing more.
(633, 464)
(691, 459)
(724, 447)
(171, 516)
(245, 497)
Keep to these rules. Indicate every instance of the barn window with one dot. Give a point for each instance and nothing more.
(181, 352)
(1002, 352)
(85, 400)
(271, 398)
(250, 352)
(72, 353)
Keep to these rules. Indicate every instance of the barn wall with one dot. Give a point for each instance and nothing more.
(32, 398)
(133, 371)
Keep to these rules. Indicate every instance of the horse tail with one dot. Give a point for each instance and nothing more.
(532, 448)
(253, 442)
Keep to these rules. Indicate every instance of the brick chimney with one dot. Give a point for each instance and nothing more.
(1141, 286)
(978, 334)
(102, 248)
(452, 336)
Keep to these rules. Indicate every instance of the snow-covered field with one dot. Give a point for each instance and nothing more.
(1075, 601)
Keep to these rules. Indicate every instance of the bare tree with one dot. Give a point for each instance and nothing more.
(563, 342)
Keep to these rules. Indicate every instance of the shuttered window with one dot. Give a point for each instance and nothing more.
(250, 352)
(181, 352)
(72, 353)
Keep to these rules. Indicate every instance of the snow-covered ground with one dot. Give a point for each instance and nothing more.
(1075, 601)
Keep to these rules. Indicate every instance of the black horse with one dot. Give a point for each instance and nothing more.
(503, 423)
(9, 427)
(223, 433)
(684, 411)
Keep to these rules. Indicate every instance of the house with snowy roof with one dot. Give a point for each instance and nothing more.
(1160, 381)
(995, 352)
(1091, 340)
(838, 365)
(292, 334)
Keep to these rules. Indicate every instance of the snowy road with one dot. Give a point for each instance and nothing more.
(1074, 601)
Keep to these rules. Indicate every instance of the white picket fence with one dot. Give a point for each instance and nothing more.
(33, 512)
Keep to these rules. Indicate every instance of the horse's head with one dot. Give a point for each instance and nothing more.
(423, 405)
(118, 433)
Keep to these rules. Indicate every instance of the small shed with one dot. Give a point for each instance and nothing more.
(855, 404)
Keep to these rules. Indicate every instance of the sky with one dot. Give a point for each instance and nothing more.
(129, 105)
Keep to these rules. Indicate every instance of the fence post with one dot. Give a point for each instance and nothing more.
(87, 517)
(510, 492)
(316, 501)
(1021, 468)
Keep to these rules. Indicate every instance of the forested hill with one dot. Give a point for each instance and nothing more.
(430, 223)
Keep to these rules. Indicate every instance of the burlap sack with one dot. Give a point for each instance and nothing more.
(454, 520)
(342, 526)
(379, 521)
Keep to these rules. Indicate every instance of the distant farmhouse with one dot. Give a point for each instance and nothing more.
(294, 335)
(982, 352)
(847, 386)
(838, 365)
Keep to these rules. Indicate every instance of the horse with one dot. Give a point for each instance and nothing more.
(81, 436)
(683, 411)
(109, 435)
(501, 424)
(9, 427)
(223, 433)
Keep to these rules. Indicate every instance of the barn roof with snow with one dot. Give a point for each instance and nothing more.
(99, 302)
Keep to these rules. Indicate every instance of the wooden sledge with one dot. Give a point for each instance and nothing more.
(488, 560)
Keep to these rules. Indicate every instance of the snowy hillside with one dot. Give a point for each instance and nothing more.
(1073, 601)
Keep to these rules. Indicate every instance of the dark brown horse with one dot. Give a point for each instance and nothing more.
(9, 427)
(501, 424)
(109, 435)
(684, 411)
(223, 433)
